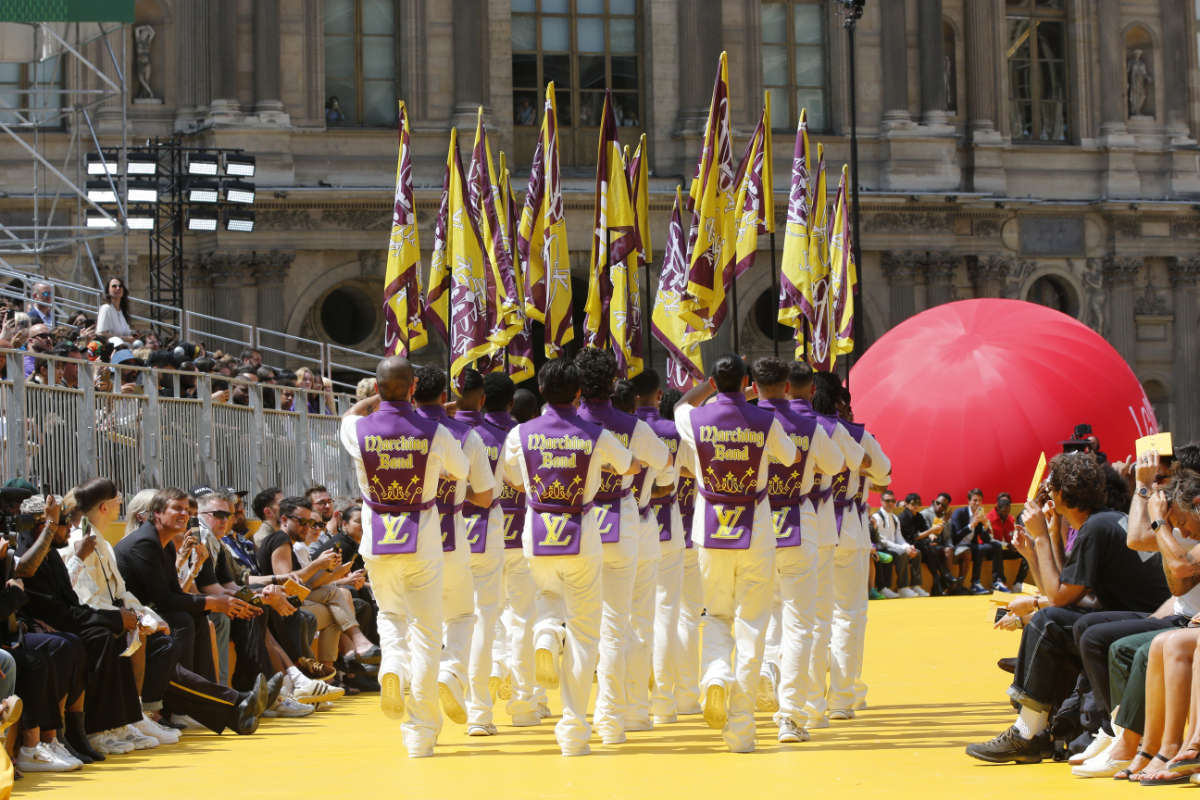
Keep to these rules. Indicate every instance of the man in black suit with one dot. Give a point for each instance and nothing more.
(971, 536)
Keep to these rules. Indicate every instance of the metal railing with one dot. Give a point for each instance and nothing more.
(278, 348)
(166, 429)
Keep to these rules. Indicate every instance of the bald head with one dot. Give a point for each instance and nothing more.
(395, 378)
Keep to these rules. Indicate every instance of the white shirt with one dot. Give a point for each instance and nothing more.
(1188, 603)
(445, 455)
(887, 525)
(111, 322)
(98, 582)
(608, 452)
(778, 446)
(826, 534)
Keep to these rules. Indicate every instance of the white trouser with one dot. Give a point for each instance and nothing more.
(458, 610)
(518, 584)
(487, 576)
(408, 591)
(737, 594)
(576, 579)
(822, 620)
(851, 566)
(691, 603)
(774, 631)
(668, 644)
(500, 640)
(639, 650)
(797, 580)
(620, 568)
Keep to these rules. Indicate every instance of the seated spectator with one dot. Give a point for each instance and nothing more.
(317, 388)
(972, 538)
(266, 508)
(1001, 522)
(916, 530)
(137, 510)
(41, 305)
(329, 520)
(1100, 564)
(41, 340)
(66, 373)
(365, 388)
(906, 559)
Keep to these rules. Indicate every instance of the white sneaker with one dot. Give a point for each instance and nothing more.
(907, 592)
(42, 758)
(309, 690)
(526, 719)
(543, 711)
(791, 733)
(1098, 746)
(139, 740)
(109, 744)
(888, 593)
(187, 722)
(287, 707)
(1100, 767)
(767, 698)
(324, 706)
(481, 729)
(59, 749)
(454, 703)
(148, 727)
(920, 590)
(841, 713)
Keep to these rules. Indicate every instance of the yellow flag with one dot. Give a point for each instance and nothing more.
(471, 304)
(794, 307)
(404, 330)
(520, 349)
(668, 325)
(542, 239)
(437, 303)
(713, 219)
(843, 273)
(816, 293)
(754, 204)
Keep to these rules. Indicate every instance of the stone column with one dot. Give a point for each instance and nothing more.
(1113, 102)
(982, 86)
(901, 268)
(1174, 74)
(470, 61)
(894, 32)
(266, 63)
(931, 59)
(270, 273)
(192, 64)
(222, 44)
(989, 274)
(940, 269)
(1119, 275)
(699, 49)
(1185, 280)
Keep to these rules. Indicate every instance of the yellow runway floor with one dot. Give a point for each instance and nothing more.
(934, 688)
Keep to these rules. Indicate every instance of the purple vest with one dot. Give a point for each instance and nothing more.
(828, 424)
(731, 437)
(685, 497)
(666, 431)
(611, 492)
(784, 483)
(476, 517)
(394, 444)
(842, 498)
(446, 490)
(512, 501)
(557, 447)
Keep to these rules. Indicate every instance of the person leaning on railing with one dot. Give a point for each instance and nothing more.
(112, 318)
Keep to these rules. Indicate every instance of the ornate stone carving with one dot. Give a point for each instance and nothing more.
(1150, 302)
(228, 269)
(356, 219)
(1120, 270)
(1185, 229)
(989, 226)
(941, 266)
(1126, 226)
(1140, 82)
(1094, 295)
(902, 266)
(1184, 272)
(271, 267)
(285, 219)
(906, 221)
(989, 268)
(143, 35)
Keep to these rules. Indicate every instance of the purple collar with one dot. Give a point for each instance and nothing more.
(471, 417)
(779, 404)
(563, 411)
(433, 411)
(647, 413)
(398, 406)
(731, 398)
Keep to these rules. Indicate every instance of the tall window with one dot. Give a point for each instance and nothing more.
(360, 62)
(794, 62)
(585, 47)
(19, 104)
(1037, 69)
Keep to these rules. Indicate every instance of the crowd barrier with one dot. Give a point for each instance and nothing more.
(57, 436)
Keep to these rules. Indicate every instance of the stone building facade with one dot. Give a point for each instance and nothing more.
(1035, 149)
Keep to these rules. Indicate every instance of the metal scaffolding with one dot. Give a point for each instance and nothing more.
(56, 106)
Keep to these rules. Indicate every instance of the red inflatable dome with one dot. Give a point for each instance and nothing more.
(970, 393)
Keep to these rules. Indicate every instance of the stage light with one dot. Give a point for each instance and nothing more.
(239, 192)
(201, 164)
(142, 192)
(241, 166)
(202, 220)
(101, 192)
(97, 220)
(141, 164)
(141, 218)
(203, 191)
(104, 162)
(240, 221)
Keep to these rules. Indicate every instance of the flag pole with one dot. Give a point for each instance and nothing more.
(774, 294)
(852, 11)
(733, 308)
(647, 313)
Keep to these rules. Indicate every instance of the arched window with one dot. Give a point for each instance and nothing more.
(795, 62)
(360, 63)
(1037, 69)
(1053, 292)
(585, 47)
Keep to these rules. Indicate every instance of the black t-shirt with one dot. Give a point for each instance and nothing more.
(215, 569)
(348, 546)
(1122, 579)
(277, 539)
(912, 525)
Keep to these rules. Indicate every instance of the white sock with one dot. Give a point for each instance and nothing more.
(1030, 723)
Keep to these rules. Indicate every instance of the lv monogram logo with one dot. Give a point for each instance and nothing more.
(555, 526)
(393, 529)
(510, 535)
(727, 520)
(601, 512)
(778, 518)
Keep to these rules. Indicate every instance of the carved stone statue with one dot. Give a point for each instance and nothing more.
(1093, 288)
(1139, 84)
(143, 36)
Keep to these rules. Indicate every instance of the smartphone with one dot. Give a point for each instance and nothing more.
(1001, 613)
(246, 595)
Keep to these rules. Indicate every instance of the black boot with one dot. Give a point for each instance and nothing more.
(75, 737)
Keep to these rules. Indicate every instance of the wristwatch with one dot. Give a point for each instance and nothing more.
(1143, 493)
(1156, 524)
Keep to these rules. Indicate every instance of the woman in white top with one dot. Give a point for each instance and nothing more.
(112, 319)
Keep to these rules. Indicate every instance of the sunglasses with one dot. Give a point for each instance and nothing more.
(41, 336)
(219, 514)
